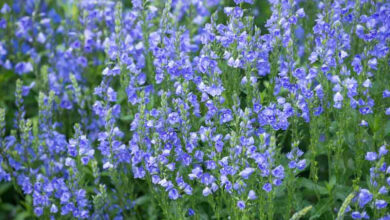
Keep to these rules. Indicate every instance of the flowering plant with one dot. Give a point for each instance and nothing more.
(241, 109)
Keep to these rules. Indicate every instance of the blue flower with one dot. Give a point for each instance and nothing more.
(111, 95)
(191, 212)
(383, 190)
(386, 93)
(371, 156)
(5, 9)
(65, 197)
(53, 208)
(252, 195)
(38, 211)
(373, 63)
(387, 112)
(278, 172)
(383, 150)
(338, 99)
(173, 118)
(241, 205)
(240, 1)
(226, 116)
(246, 172)
(23, 68)
(301, 164)
(356, 215)
(301, 13)
(356, 63)
(364, 197)
(206, 191)
(215, 90)
(267, 187)
(173, 194)
(380, 204)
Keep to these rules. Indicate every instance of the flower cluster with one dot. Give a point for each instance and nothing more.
(374, 197)
(195, 107)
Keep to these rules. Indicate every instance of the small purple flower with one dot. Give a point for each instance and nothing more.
(65, 197)
(267, 187)
(241, 1)
(226, 116)
(387, 112)
(383, 190)
(356, 63)
(372, 63)
(155, 179)
(301, 164)
(278, 172)
(107, 165)
(167, 184)
(252, 195)
(7, 65)
(41, 38)
(191, 212)
(299, 73)
(365, 110)
(115, 71)
(386, 93)
(367, 83)
(207, 179)
(215, 90)
(386, 217)
(85, 160)
(301, 13)
(173, 118)
(26, 89)
(277, 182)
(292, 164)
(371, 156)
(173, 194)
(66, 103)
(211, 165)
(38, 211)
(383, 151)
(206, 191)
(23, 68)
(188, 189)
(241, 205)
(247, 172)
(53, 208)
(111, 95)
(363, 123)
(380, 204)
(5, 9)
(70, 162)
(356, 215)
(338, 99)
(364, 197)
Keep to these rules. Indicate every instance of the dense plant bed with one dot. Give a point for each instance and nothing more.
(180, 109)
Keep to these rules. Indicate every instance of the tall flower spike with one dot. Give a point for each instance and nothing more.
(2, 125)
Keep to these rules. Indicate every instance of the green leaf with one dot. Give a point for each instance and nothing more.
(142, 200)
(7, 207)
(323, 206)
(387, 128)
(310, 185)
(331, 184)
(22, 216)
(4, 187)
